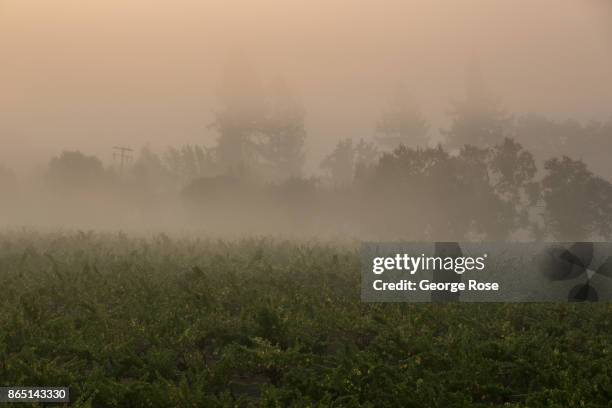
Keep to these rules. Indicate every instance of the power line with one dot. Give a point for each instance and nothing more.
(124, 154)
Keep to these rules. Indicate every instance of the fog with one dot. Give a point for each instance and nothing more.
(90, 75)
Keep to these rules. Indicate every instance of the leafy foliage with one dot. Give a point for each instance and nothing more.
(577, 203)
(73, 172)
(163, 322)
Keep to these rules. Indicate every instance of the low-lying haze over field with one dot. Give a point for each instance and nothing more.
(185, 186)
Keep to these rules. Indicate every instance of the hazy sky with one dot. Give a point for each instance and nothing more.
(90, 74)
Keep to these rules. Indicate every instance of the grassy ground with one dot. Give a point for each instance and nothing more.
(164, 323)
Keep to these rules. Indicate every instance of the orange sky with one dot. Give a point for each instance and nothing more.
(89, 74)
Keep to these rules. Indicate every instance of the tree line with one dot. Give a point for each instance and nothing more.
(496, 176)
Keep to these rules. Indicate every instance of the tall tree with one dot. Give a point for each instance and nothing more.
(261, 129)
(282, 136)
(149, 172)
(479, 118)
(366, 157)
(513, 170)
(340, 163)
(402, 123)
(188, 163)
(416, 190)
(577, 204)
(548, 138)
(442, 196)
(73, 172)
(241, 115)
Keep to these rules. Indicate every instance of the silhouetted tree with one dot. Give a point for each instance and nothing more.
(366, 153)
(414, 191)
(474, 193)
(149, 172)
(188, 163)
(478, 119)
(261, 131)
(282, 136)
(340, 164)
(498, 183)
(72, 171)
(577, 204)
(513, 170)
(548, 138)
(544, 137)
(366, 158)
(349, 161)
(513, 167)
(240, 117)
(402, 123)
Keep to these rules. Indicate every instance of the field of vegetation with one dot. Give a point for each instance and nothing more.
(176, 322)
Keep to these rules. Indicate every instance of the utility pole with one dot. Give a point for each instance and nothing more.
(124, 154)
